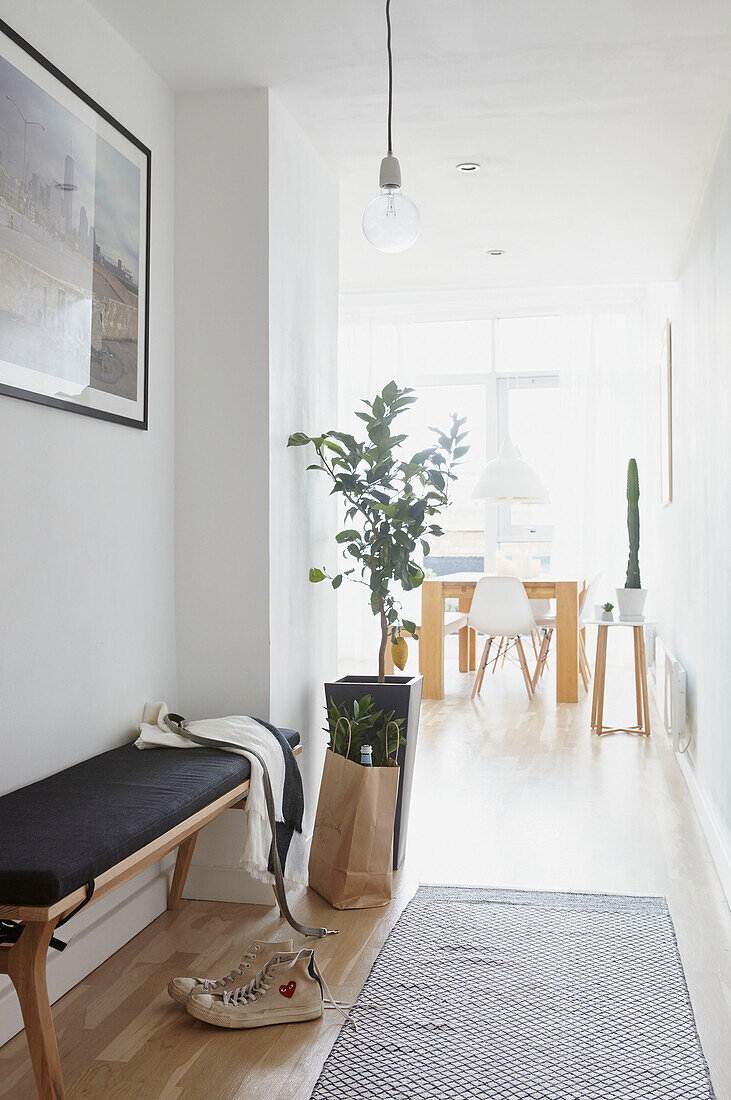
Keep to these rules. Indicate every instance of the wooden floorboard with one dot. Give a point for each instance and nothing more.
(507, 793)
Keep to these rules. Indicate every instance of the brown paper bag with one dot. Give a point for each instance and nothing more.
(352, 845)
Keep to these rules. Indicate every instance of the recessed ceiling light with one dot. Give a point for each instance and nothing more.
(496, 251)
(468, 166)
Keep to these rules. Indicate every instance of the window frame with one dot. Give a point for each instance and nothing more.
(508, 532)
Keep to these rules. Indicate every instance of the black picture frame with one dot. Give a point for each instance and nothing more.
(139, 418)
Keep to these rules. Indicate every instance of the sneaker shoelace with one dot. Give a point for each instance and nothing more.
(232, 976)
(247, 994)
(330, 1002)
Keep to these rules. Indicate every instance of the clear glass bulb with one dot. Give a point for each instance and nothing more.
(391, 221)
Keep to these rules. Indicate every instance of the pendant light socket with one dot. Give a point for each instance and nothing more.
(390, 174)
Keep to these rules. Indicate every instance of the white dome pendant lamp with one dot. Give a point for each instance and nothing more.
(510, 478)
(391, 221)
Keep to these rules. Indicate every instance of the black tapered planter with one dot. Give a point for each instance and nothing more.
(402, 695)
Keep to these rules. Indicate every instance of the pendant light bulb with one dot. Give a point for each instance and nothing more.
(391, 221)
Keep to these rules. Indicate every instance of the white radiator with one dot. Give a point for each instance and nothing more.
(670, 678)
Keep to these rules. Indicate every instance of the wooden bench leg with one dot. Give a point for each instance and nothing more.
(182, 866)
(27, 971)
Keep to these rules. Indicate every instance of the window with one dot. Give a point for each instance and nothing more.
(503, 375)
(527, 411)
(462, 546)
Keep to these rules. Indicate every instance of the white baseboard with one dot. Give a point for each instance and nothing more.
(93, 936)
(717, 834)
(226, 884)
(216, 873)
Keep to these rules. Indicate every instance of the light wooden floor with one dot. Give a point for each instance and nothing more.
(507, 794)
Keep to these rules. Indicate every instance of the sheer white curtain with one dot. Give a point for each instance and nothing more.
(607, 413)
(603, 422)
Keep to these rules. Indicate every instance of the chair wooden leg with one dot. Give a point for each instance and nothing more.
(524, 666)
(500, 643)
(473, 647)
(533, 640)
(481, 670)
(27, 971)
(542, 655)
(180, 874)
(582, 666)
(485, 659)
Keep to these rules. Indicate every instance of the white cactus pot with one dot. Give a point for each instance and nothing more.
(631, 604)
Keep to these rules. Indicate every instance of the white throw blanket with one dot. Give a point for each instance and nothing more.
(245, 733)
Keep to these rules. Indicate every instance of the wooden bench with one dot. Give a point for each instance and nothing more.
(25, 960)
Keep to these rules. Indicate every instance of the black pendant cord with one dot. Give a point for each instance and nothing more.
(390, 73)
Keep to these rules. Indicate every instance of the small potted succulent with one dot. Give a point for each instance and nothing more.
(606, 614)
(631, 598)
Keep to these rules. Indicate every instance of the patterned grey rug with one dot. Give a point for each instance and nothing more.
(503, 994)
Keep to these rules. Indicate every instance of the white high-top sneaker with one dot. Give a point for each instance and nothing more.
(289, 989)
(253, 959)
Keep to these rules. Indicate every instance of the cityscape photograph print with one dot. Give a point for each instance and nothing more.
(73, 247)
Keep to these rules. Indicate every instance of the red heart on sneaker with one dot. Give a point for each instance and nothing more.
(288, 990)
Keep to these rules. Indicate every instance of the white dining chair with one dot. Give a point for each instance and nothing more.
(541, 609)
(501, 609)
(547, 623)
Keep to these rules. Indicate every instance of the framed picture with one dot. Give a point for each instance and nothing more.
(74, 245)
(666, 416)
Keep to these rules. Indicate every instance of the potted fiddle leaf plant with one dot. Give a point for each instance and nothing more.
(631, 598)
(392, 501)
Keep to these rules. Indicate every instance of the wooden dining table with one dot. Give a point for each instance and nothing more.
(460, 586)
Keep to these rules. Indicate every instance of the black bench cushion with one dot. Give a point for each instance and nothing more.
(58, 834)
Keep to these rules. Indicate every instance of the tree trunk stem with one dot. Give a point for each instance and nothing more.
(384, 642)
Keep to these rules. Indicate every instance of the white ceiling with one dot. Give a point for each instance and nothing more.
(596, 122)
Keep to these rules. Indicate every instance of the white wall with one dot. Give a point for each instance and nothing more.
(256, 331)
(86, 555)
(222, 402)
(303, 328)
(695, 531)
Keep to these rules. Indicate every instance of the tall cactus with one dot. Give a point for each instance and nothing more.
(633, 526)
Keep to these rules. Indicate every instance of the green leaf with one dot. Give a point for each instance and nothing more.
(316, 575)
(347, 536)
(459, 451)
(337, 581)
(299, 439)
(314, 466)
